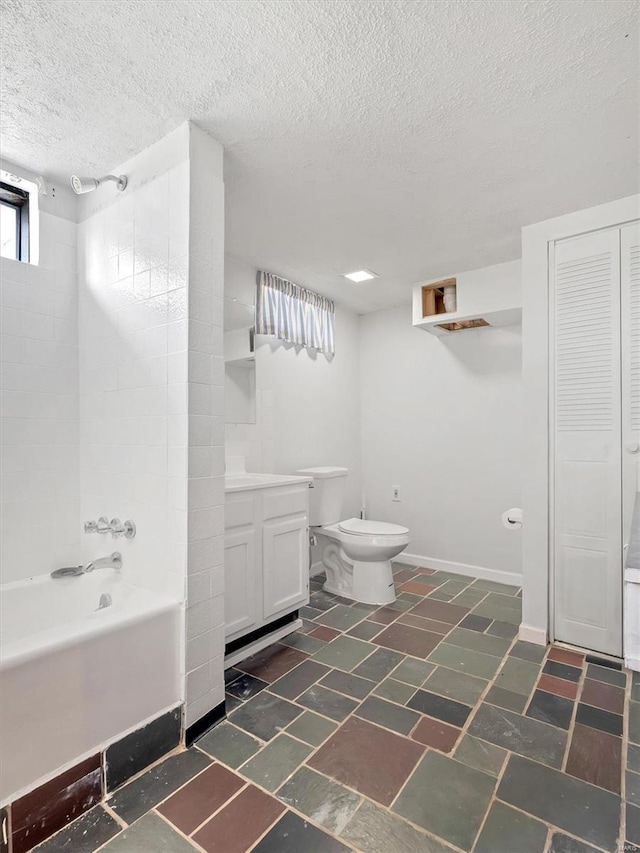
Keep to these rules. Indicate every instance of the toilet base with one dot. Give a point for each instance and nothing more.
(372, 583)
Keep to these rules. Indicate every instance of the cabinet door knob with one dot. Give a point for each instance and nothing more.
(633, 447)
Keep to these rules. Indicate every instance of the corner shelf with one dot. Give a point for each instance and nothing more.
(485, 298)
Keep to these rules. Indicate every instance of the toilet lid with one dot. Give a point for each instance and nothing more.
(360, 527)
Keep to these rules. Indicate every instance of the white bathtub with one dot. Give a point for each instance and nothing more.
(74, 678)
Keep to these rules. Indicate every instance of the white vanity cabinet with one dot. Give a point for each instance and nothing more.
(266, 551)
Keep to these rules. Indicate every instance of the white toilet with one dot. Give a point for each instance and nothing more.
(356, 554)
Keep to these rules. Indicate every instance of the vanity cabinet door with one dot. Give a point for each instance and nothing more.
(285, 558)
(240, 599)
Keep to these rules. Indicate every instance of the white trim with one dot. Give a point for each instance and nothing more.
(632, 663)
(262, 643)
(532, 635)
(510, 578)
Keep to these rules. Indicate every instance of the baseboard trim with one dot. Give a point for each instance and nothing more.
(511, 578)
(210, 719)
(632, 663)
(262, 642)
(532, 635)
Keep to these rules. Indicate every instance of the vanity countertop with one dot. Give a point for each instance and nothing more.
(246, 482)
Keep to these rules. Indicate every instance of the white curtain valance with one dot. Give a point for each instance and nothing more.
(291, 313)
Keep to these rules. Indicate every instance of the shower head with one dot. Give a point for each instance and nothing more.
(80, 186)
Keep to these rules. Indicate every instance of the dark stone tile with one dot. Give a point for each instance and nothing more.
(272, 663)
(475, 623)
(436, 734)
(507, 630)
(562, 670)
(507, 830)
(528, 651)
(297, 680)
(365, 630)
(292, 834)
(384, 615)
(550, 709)
(265, 715)
(340, 617)
(327, 702)
(322, 600)
(228, 744)
(561, 843)
(440, 707)
(506, 608)
(601, 695)
(344, 653)
(558, 686)
(395, 691)
(465, 660)
(609, 664)
(45, 810)
(609, 676)
(277, 761)
(388, 714)
(231, 674)
(378, 665)
(455, 685)
(633, 824)
(348, 683)
(518, 675)
(506, 699)
(570, 804)
(446, 798)
(412, 671)
(311, 728)
(599, 719)
(84, 835)
(311, 613)
(231, 703)
(632, 788)
(376, 830)
(199, 798)
(245, 686)
(441, 595)
(369, 759)
(325, 634)
(441, 611)
(519, 734)
(323, 800)
(145, 792)
(560, 655)
(411, 641)
(141, 748)
(478, 642)
(481, 755)
(425, 624)
(229, 831)
(303, 642)
(633, 758)
(150, 833)
(595, 757)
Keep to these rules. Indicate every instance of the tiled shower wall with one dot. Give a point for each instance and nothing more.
(133, 374)
(39, 361)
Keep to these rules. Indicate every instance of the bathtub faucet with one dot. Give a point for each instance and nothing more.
(113, 561)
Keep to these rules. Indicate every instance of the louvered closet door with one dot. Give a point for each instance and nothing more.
(586, 418)
(630, 277)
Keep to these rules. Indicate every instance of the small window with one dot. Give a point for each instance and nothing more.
(14, 223)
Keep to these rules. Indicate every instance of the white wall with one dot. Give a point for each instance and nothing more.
(307, 406)
(442, 419)
(39, 480)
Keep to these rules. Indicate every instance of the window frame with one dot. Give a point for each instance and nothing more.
(18, 199)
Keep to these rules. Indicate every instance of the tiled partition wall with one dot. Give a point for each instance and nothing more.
(205, 550)
(133, 370)
(39, 483)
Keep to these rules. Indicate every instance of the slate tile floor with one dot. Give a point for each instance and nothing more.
(421, 727)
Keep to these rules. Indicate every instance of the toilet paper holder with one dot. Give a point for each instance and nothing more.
(512, 518)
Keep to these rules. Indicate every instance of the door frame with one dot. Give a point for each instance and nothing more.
(537, 447)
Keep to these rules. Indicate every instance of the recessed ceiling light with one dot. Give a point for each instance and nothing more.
(360, 275)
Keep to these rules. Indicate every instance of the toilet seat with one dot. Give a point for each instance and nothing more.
(363, 527)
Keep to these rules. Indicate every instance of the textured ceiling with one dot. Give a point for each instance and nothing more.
(413, 137)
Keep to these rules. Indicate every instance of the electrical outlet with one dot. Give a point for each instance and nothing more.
(395, 493)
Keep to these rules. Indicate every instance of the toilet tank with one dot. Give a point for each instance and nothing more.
(327, 495)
